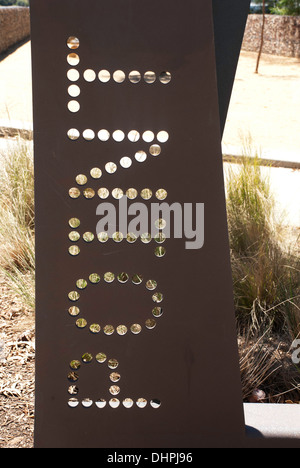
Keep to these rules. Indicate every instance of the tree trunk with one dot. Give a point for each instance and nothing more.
(262, 36)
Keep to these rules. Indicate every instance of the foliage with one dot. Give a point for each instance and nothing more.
(286, 7)
(24, 3)
(277, 7)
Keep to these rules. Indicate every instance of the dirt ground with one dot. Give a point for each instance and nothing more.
(265, 106)
(17, 354)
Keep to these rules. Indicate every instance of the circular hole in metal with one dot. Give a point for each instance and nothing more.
(123, 278)
(146, 238)
(131, 193)
(131, 237)
(135, 77)
(137, 279)
(73, 106)
(160, 238)
(104, 76)
(74, 250)
(103, 237)
(163, 137)
(103, 193)
(89, 75)
(101, 358)
(141, 156)
(74, 311)
(95, 328)
(81, 179)
(141, 403)
(74, 192)
(114, 390)
(160, 223)
(73, 59)
(110, 167)
(81, 284)
(75, 364)
(73, 134)
(119, 76)
(109, 330)
(157, 297)
(148, 136)
(74, 91)
(103, 135)
(73, 75)
(150, 77)
(151, 285)
(134, 136)
(118, 136)
(73, 402)
(117, 237)
(87, 403)
(150, 324)
(126, 162)
(165, 77)
(160, 251)
(155, 150)
(88, 134)
(155, 403)
(96, 173)
(109, 277)
(113, 364)
(157, 312)
(88, 237)
(73, 42)
(100, 403)
(74, 223)
(73, 377)
(128, 403)
(122, 330)
(161, 194)
(81, 323)
(117, 193)
(146, 194)
(74, 296)
(114, 403)
(89, 193)
(94, 278)
(87, 358)
(136, 328)
(73, 390)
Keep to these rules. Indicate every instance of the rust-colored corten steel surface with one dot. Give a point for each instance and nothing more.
(168, 375)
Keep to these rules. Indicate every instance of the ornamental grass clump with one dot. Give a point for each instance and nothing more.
(17, 258)
(266, 270)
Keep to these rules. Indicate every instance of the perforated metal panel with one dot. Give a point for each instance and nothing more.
(135, 335)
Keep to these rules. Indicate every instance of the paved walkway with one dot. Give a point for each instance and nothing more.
(264, 109)
(15, 88)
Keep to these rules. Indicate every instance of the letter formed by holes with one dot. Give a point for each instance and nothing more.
(87, 186)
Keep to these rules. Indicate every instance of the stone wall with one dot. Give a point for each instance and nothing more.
(282, 35)
(14, 26)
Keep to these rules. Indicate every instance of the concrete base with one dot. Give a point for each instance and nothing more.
(273, 421)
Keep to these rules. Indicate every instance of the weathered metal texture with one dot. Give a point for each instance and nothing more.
(189, 361)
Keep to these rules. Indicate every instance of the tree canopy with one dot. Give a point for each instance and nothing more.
(14, 3)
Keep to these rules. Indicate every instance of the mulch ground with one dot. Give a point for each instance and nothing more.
(17, 355)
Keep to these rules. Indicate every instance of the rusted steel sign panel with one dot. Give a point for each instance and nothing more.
(136, 343)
